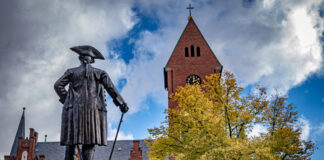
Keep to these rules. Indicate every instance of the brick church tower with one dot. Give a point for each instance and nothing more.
(191, 60)
(23, 148)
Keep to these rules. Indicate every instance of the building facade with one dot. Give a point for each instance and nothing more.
(191, 60)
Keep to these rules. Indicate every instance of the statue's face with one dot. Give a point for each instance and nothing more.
(86, 59)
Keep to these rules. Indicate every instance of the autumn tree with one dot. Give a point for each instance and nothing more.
(283, 134)
(212, 121)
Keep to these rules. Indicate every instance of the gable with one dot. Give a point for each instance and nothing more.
(192, 54)
(192, 40)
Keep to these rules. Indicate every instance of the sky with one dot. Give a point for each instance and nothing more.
(271, 43)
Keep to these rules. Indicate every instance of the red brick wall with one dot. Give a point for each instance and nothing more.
(28, 145)
(180, 67)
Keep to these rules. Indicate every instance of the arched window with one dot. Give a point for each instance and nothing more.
(192, 51)
(24, 155)
(186, 52)
(198, 52)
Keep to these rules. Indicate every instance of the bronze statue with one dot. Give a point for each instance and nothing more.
(84, 116)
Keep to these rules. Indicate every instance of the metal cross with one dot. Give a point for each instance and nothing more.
(190, 8)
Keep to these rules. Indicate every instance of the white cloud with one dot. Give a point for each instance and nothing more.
(257, 130)
(121, 135)
(321, 128)
(268, 3)
(289, 53)
(305, 128)
(145, 74)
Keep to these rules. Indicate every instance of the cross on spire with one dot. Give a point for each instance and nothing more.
(190, 8)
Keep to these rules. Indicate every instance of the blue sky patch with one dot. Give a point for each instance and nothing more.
(126, 46)
(308, 98)
(121, 83)
(150, 117)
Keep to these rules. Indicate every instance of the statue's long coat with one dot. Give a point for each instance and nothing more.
(84, 116)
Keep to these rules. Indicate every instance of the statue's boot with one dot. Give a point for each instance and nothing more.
(70, 152)
(88, 152)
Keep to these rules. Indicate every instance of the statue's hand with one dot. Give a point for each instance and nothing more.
(124, 108)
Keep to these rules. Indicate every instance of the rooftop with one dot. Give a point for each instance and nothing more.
(54, 151)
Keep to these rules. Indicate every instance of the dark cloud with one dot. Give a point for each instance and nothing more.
(35, 38)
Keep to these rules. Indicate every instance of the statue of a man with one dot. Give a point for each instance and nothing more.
(84, 116)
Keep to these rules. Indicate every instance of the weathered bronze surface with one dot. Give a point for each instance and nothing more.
(84, 116)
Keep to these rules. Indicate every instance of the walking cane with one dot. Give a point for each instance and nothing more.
(112, 149)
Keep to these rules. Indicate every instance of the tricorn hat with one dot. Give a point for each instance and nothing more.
(87, 50)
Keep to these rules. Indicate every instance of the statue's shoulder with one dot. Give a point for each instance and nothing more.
(97, 70)
(99, 73)
(74, 69)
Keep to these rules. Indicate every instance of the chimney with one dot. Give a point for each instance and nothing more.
(41, 157)
(136, 152)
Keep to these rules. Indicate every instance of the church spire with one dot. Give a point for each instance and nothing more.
(20, 133)
(190, 8)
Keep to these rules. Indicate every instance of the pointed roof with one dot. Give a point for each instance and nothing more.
(190, 38)
(20, 133)
(192, 31)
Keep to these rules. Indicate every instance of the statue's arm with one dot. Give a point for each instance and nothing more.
(60, 84)
(112, 91)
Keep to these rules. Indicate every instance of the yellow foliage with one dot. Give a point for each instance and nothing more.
(212, 120)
